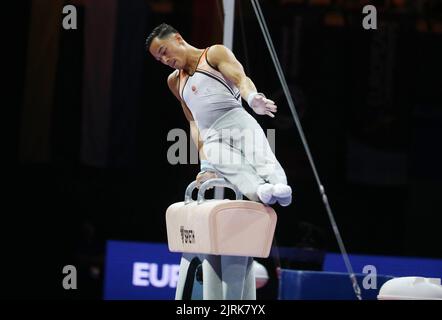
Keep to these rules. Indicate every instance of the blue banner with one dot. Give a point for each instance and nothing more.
(140, 271)
(395, 266)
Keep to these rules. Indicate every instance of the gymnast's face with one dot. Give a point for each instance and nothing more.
(170, 51)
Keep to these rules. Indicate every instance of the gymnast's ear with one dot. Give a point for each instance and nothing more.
(179, 38)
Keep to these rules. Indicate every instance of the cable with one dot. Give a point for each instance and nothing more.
(244, 39)
(267, 38)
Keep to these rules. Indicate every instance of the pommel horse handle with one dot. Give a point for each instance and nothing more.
(218, 182)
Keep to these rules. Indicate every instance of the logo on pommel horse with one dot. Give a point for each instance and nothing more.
(187, 236)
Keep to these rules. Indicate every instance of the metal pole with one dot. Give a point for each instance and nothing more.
(229, 19)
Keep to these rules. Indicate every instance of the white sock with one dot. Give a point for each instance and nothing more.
(282, 190)
(265, 192)
(272, 200)
(284, 202)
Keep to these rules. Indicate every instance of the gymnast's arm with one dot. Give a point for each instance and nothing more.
(225, 61)
(203, 175)
(172, 82)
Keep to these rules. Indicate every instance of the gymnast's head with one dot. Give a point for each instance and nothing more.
(167, 46)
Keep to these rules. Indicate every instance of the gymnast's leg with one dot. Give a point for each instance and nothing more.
(238, 149)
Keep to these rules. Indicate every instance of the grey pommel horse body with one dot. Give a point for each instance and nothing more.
(222, 235)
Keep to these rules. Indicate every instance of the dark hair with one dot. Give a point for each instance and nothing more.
(161, 31)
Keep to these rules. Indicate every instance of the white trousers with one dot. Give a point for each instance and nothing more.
(238, 149)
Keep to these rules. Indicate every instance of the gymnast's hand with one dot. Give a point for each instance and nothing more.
(204, 176)
(261, 105)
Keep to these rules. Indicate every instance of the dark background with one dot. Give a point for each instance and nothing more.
(83, 166)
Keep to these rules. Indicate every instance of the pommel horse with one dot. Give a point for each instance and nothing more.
(222, 236)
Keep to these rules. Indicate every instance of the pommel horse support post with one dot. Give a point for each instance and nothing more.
(223, 235)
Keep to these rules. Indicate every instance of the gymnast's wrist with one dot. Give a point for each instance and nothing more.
(206, 166)
(251, 96)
